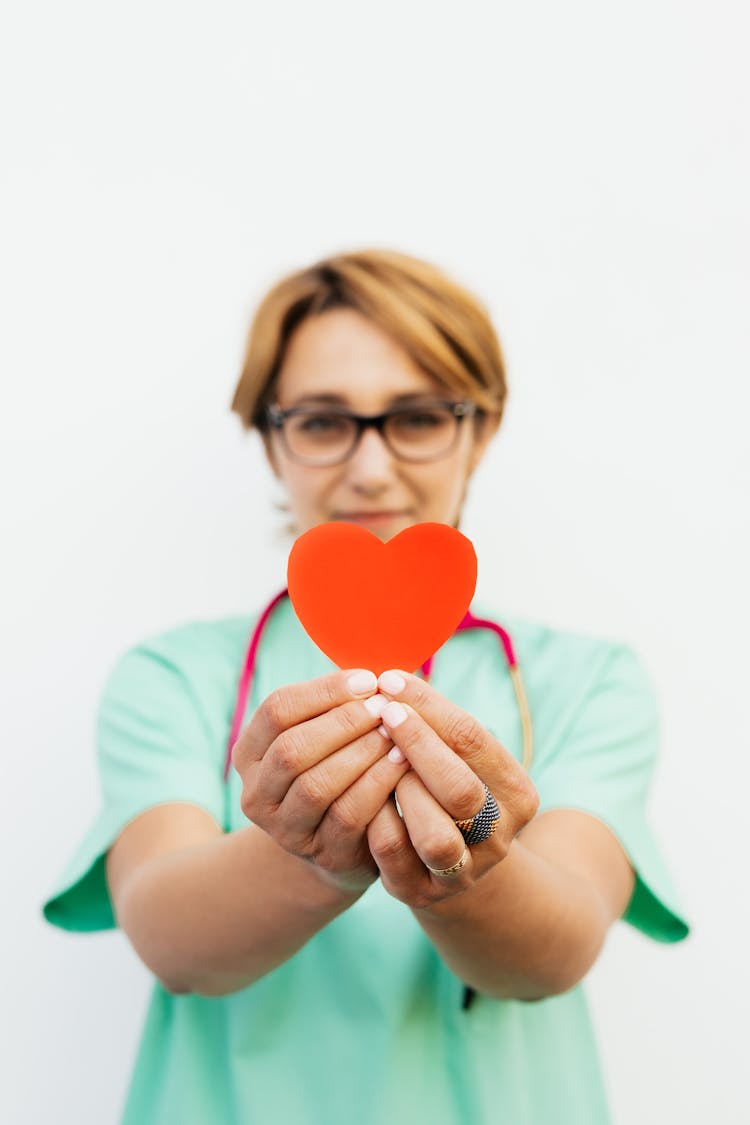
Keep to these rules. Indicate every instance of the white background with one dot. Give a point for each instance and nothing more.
(581, 166)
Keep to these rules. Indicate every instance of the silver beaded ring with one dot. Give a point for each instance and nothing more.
(481, 826)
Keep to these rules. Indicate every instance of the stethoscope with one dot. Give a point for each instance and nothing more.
(469, 621)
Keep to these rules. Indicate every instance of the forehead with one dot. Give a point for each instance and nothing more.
(342, 356)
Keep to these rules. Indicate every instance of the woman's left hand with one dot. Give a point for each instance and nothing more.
(450, 754)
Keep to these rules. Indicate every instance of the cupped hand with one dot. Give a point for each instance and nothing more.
(450, 754)
(315, 772)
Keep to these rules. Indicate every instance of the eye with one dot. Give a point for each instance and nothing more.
(420, 419)
(321, 424)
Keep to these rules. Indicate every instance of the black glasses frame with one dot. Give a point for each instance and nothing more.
(276, 418)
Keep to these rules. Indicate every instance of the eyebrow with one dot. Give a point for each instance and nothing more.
(340, 400)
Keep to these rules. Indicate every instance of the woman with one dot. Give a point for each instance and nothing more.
(323, 953)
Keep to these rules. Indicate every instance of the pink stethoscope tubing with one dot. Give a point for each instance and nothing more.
(469, 621)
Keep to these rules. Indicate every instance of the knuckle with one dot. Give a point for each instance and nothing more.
(466, 796)
(342, 816)
(236, 755)
(419, 694)
(303, 846)
(247, 805)
(522, 795)
(422, 899)
(252, 808)
(329, 691)
(310, 788)
(388, 845)
(346, 720)
(275, 709)
(287, 752)
(408, 783)
(531, 799)
(440, 849)
(464, 733)
(500, 847)
(323, 859)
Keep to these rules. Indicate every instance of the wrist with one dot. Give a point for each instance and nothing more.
(313, 887)
(302, 885)
(349, 885)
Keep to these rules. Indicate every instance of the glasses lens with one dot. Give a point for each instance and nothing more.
(316, 435)
(425, 431)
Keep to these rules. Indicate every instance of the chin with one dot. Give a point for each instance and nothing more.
(396, 528)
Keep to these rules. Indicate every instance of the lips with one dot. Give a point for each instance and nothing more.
(371, 514)
(375, 519)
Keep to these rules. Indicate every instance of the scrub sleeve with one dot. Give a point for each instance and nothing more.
(156, 738)
(602, 762)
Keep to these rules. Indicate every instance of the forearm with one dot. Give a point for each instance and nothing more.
(526, 930)
(215, 917)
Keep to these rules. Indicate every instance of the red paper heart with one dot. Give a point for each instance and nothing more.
(369, 604)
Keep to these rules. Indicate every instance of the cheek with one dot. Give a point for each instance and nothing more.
(455, 477)
(442, 485)
(307, 486)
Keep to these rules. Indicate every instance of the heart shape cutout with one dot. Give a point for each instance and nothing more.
(369, 604)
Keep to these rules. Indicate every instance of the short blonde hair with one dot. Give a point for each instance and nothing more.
(442, 327)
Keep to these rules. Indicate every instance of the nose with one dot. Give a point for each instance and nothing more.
(371, 463)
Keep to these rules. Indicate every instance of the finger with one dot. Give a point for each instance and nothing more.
(467, 738)
(434, 836)
(457, 728)
(399, 865)
(348, 817)
(296, 703)
(452, 783)
(295, 752)
(346, 771)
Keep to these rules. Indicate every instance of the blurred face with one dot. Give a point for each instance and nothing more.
(341, 353)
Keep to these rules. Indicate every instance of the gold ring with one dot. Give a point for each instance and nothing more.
(451, 870)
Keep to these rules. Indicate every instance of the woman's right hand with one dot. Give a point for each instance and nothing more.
(315, 771)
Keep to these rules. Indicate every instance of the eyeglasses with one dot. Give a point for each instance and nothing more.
(423, 432)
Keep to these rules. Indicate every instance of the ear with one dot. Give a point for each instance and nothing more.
(483, 434)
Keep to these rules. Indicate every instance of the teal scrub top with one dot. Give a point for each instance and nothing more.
(365, 1023)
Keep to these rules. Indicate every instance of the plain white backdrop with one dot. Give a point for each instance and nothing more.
(584, 168)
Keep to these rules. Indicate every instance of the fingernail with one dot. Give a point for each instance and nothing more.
(360, 682)
(396, 755)
(375, 705)
(382, 730)
(392, 682)
(393, 714)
